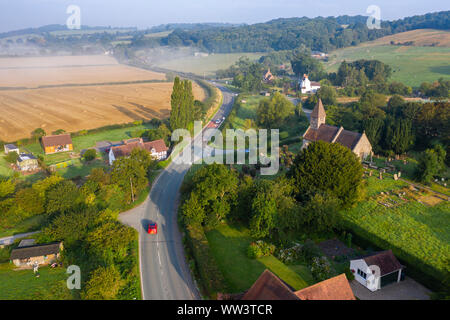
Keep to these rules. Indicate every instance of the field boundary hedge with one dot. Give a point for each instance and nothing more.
(210, 277)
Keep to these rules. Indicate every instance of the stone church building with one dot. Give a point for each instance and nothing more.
(319, 131)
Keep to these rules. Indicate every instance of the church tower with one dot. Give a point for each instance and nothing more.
(318, 116)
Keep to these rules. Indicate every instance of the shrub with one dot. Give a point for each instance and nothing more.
(290, 255)
(260, 249)
(90, 154)
(321, 268)
(254, 251)
(12, 157)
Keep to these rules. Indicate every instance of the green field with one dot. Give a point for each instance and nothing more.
(206, 65)
(418, 233)
(23, 285)
(411, 65)
(229, 245)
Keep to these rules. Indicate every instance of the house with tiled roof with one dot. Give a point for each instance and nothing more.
(270, 287)
(377, 270)
(336, 288)
(158, 149)
(319, 131)
(57, 143)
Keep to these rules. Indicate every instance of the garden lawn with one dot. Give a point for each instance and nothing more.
(229, 245)
(23, 285)
(417, 233)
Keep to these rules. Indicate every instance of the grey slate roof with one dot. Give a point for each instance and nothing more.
(35, 251)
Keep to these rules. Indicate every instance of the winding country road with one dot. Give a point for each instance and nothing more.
(165, 274)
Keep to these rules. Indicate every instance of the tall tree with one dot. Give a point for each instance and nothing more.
(327, 168)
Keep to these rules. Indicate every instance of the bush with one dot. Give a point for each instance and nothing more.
(260, 249)
(12, 157)
(254, 251)
(90, 154)
(321, 268)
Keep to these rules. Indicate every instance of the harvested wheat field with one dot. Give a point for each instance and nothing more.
(45, 71)
(77, 108)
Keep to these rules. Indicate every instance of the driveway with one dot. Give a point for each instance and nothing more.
(403, 290)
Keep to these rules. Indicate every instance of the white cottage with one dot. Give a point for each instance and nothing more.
(377, 270)
(307, 86)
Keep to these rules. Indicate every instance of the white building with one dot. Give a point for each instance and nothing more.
(11, 148)
(377, 270)
(307, 86)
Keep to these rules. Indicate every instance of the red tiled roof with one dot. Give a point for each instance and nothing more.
(336, 288)
(269, 287)
(56, 140)
(324, 133)
(319, 110)
(125, 150)
(158, 145)
(385, 260)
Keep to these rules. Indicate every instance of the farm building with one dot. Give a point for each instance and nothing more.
(157, 149)
(307, 86)
(270, 287)
(42, 254)
(319, 131)
(57, 143)
(377, 270)
(27, 162)
(10, 148)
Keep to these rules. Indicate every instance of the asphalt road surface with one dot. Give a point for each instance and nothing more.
(165, 274)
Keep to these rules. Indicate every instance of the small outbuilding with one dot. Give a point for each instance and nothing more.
(57, 143)
(377, 270)
(11, 148)
(27, 162)
(42, 254)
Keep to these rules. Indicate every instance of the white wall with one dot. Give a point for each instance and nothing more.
(372, 281)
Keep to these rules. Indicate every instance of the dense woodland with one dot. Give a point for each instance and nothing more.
(323, 34)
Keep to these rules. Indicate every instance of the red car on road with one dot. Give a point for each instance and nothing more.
(152, 228)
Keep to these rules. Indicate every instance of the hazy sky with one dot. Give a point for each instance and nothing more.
(18, 14)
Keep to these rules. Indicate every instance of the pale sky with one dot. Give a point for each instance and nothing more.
(19, 14)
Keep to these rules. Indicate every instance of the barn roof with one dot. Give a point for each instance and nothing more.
(269, 287)
(336, 288)
(56, 140)
(385, 260)
(35, 251)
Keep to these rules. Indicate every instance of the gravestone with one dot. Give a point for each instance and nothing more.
(381, 175)
(395, 177)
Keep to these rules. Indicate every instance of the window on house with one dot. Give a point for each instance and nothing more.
(362, 274)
